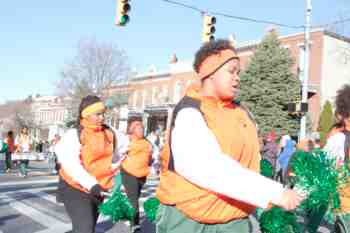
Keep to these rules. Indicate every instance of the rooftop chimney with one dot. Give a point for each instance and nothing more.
(173, 59)
(152, 69)
(232, 39)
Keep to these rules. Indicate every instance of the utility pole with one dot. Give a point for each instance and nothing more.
(304, 98)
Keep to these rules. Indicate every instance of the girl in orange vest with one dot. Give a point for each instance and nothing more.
(86, 155)
(210, 179)
(338, 145)
(136, 167)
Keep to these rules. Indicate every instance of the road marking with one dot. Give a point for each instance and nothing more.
(46, 196)
(34, 214)
(47, 181)
(30, 190)
(59, 228)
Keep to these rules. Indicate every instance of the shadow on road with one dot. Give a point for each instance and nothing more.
(9, 217)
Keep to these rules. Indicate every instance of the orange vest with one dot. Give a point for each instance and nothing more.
(344, 191)
(138, 159)
(237, 136)
(96, 157)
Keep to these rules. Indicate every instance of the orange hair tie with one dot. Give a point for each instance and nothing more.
(92, 109)
(213, 62)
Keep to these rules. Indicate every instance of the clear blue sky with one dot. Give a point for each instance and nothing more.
(37, 37)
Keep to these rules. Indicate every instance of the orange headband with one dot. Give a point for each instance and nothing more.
(213, 62)
(93, 108)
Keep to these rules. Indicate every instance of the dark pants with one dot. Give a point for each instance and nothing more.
(81, 208)
(133, 187)
(8, 160)
(315, 217)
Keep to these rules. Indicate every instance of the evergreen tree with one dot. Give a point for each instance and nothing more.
(268, 84)
(326, 121)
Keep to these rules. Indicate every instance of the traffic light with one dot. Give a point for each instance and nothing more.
(208, 28)
(122, 12)
(297, 108)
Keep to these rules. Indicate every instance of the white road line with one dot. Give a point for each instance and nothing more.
(35, 214)
(30, 190)
(47, 181)
(46, 196)
(50, 181)
(59, 228)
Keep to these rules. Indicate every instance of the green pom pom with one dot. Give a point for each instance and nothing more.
(317, 175)
(259, 212)
(4, 148)
(151, 207)
(117, 207)
(330, 217)
(266, 168)
(277, 220)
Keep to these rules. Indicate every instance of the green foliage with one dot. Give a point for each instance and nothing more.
(268, 84)
(326, 121)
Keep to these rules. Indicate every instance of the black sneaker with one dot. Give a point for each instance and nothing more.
(136, 229)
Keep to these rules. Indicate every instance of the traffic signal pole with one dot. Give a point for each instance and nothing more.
(304, 99)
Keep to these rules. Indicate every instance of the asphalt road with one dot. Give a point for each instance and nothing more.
(28, 205)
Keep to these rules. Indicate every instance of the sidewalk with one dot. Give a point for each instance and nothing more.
(36, 170)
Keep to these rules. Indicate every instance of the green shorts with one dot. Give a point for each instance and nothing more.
(171, 220)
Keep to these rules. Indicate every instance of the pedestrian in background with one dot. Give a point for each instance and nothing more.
(52, 155)
(23, 144)
(10, 141)
(136, 168)
(270, 150)
(283, 160)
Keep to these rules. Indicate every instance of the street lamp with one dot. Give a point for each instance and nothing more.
(304, 98)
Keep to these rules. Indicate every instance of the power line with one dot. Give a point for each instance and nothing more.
(184, 5)
(230, 16)
(333, 23)
(256, 20)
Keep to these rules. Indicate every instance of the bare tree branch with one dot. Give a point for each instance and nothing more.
(95, 68)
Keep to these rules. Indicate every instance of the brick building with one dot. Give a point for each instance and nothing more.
(153, 95)
(49, 114)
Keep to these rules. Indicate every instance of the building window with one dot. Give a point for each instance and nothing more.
(61, 116)
(154, 95)
(165, 94)
(148, 96)
(177, 91)
(144, 95)
(135, 99)
(301, 62)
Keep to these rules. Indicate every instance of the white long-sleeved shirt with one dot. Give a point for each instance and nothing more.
(68, 155)
(198, 158)
(335, 147)
(23, 145)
